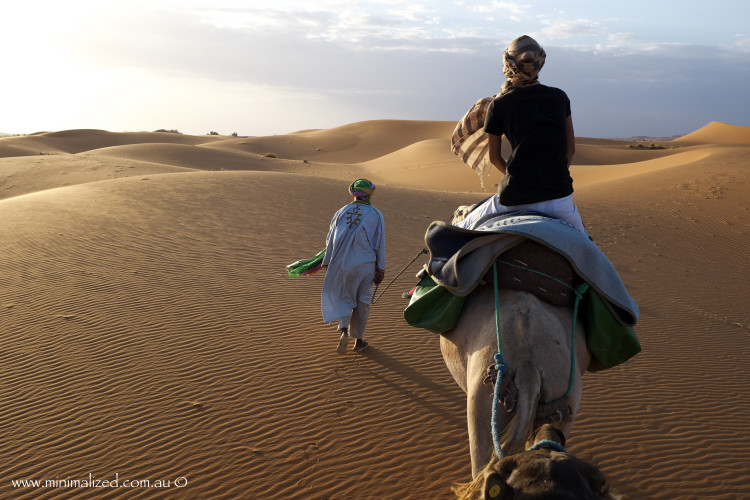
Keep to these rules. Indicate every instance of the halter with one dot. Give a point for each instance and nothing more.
(548, 443)
(501, 367)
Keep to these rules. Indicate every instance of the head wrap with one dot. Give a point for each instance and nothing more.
(522, 61)
(362, 189)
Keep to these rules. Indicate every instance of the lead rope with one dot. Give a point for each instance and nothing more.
(501, 367)
(424, 250)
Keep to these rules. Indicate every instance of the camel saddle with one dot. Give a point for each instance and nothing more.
(537, 269)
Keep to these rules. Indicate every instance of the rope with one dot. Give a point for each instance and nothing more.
(375, 299)
(535, 271)
(501, 367)
(423, 251)
(548, 443)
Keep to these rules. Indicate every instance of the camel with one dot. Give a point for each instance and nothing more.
(542, 387)
(536, 343)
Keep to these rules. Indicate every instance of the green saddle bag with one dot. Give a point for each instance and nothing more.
(609, 341)
(433, 307)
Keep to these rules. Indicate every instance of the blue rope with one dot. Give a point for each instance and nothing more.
(549, 444)
(502, 368)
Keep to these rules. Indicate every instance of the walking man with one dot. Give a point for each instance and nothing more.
(354, 260)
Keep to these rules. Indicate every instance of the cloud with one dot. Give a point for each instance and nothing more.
(330, 63)
(558, 29)
(413, 12)
(742, 42)
(669, 89)
(381, 67)
(513, 8)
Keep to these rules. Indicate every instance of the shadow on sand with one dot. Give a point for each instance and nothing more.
(432, 396)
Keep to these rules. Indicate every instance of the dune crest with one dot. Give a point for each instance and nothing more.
(717, 133)
(82, 140)
(352, 143)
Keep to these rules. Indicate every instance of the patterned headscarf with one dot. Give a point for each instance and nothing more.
(522, 62)
(362, 189)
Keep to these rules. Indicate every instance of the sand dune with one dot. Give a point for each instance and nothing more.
(593, 152)
(717, 133)
(24, 175)
(426, 164)
(77, 141)
(586, 175)
(150, 330)
(189, 156)
(353, 143)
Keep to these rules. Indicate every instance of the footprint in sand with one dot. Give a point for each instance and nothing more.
(340, 373)
(312, 457)
(346, 408)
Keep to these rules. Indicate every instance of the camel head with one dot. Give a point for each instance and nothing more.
(544, 472)
(461, 212)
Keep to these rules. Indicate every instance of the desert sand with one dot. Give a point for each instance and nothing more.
(150, 332)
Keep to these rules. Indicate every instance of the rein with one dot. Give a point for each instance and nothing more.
(423, 251)
(502, 368)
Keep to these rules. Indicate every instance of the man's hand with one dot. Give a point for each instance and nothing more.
(379, 276)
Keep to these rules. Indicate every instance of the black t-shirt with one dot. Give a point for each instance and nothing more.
(534, 121)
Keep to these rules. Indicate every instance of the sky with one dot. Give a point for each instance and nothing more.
(654, 68)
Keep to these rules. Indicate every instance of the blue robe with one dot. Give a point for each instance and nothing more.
(355, 248)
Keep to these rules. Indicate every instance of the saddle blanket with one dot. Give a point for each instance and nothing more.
(459, 258)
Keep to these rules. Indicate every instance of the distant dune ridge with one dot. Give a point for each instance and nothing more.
(150, 331)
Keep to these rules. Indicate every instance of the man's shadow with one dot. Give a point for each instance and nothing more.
(432, 396)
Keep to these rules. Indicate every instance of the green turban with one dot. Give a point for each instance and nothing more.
(362, 189)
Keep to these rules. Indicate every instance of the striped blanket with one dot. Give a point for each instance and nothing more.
(469, 140)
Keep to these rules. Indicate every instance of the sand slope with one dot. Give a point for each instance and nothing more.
(150, 330)
(77, 141)
(716, 133)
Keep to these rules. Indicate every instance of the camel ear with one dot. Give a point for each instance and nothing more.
(495, 488)
(598, 482)
(560, 436)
